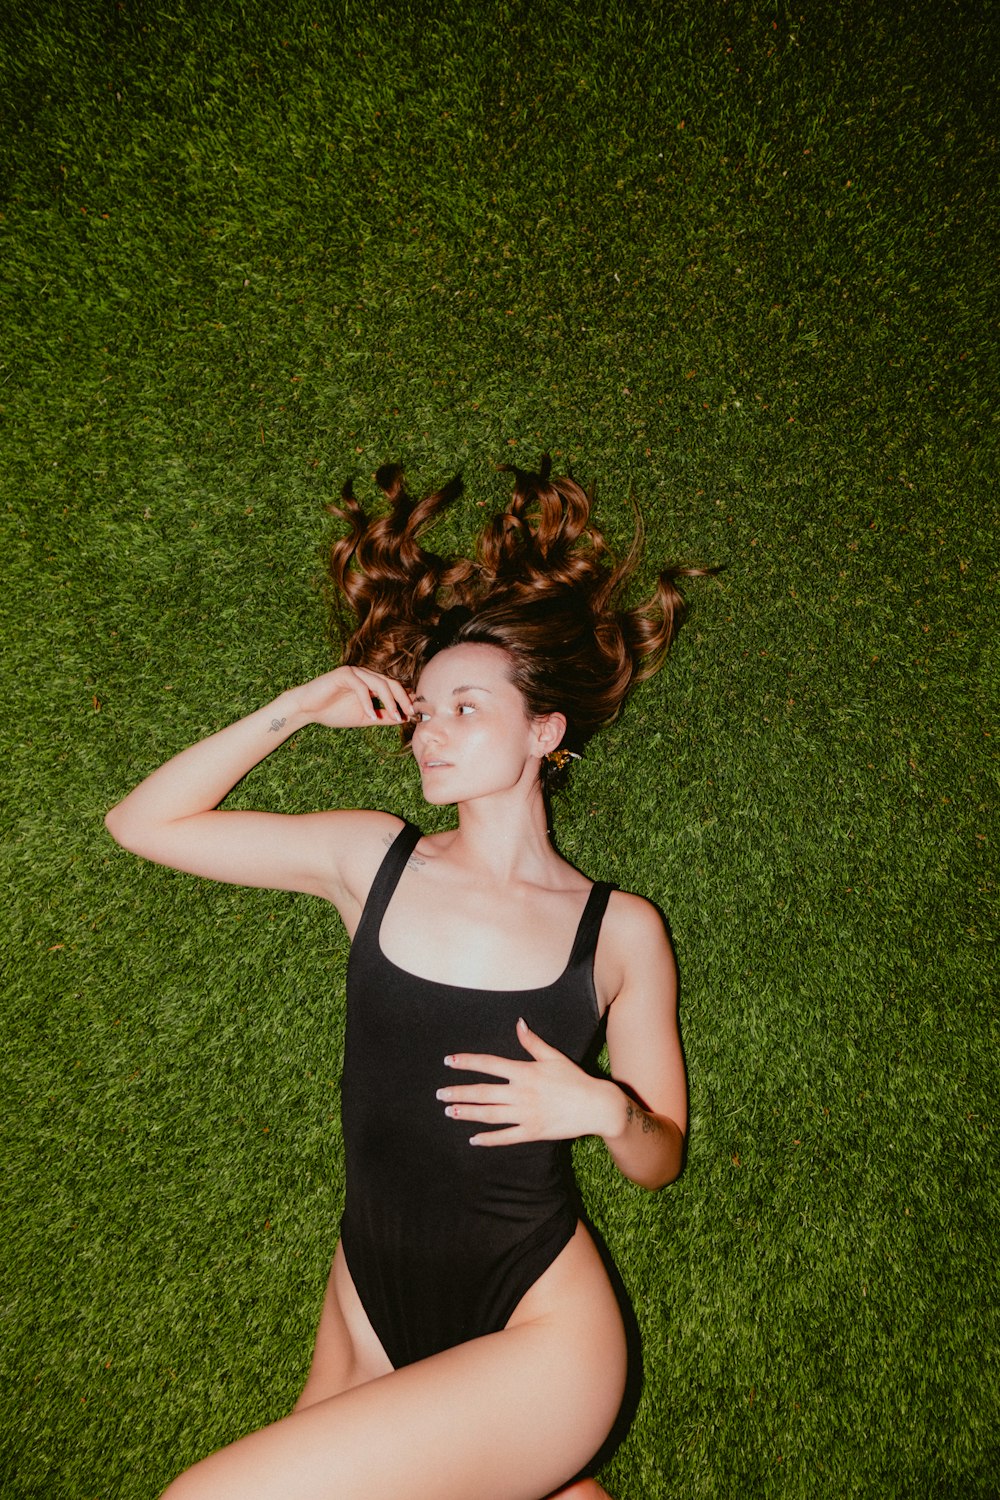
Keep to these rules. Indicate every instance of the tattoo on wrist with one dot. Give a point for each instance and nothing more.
(633, 1112)
(276, 725)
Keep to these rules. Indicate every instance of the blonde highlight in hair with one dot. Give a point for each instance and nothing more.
(543, 586)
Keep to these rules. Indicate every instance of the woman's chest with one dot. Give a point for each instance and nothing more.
(461, 937)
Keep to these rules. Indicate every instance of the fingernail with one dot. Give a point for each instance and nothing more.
(441, 1094)
(449, 1062)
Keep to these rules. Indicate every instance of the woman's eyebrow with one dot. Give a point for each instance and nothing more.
(467, 687)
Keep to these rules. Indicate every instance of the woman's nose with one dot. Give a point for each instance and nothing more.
(428, 732)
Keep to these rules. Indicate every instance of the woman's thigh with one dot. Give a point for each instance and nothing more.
(507, 1417)
(347, 1351)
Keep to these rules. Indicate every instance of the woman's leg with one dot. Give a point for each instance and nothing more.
(505, 1417)
(346, 1352)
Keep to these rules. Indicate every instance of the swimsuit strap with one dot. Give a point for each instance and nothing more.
(590, 924)
(389, 871)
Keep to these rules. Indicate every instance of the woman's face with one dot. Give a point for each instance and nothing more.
(473, 736)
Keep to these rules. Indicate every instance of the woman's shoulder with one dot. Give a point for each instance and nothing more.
(363, 838)
(634, 952)
(632, 917)
(361, 829)
(634, 930)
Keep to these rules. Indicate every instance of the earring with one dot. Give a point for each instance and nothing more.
(560, 758)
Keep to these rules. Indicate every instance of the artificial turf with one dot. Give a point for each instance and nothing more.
(736, 260)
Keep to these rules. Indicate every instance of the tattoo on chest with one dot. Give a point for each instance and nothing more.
(414, 861)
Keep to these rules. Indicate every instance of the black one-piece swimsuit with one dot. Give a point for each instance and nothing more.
(442, 1239)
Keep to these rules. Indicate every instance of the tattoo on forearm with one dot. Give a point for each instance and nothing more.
(276, 724)
(633, 1112)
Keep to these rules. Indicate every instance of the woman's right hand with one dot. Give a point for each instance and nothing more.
(351, 698)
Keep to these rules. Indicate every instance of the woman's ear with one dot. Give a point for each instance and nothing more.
(549, 732)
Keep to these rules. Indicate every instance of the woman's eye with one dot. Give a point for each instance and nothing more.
(466, 708)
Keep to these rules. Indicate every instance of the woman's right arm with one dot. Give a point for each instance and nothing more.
(172, 817)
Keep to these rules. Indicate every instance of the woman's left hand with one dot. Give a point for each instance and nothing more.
(547, 1099)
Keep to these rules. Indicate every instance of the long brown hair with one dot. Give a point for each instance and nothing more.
(543, 586)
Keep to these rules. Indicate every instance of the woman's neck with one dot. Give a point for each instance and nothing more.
(504, 840)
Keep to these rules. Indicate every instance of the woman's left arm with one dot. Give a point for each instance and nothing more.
(646, 1105)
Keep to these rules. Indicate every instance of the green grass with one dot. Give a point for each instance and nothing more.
(735, 259)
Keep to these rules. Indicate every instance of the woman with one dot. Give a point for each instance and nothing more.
(471, 1344)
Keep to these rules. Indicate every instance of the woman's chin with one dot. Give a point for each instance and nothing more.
(436, 799)
(436, 791)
